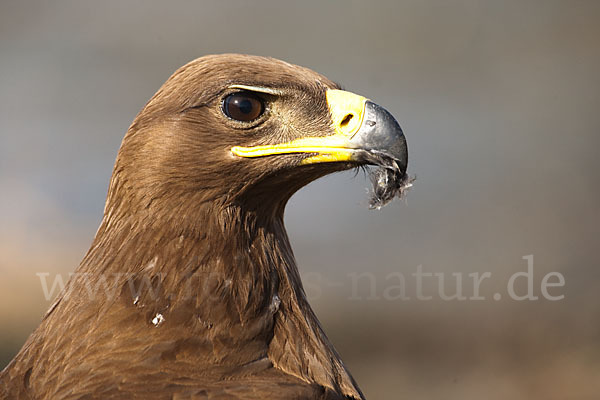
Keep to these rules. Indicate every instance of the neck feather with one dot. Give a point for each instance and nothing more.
(229, 277)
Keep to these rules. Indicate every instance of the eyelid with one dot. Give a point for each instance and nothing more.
(258, 89)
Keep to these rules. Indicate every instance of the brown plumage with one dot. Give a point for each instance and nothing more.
(190, 289)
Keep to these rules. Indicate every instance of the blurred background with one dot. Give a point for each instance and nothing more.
(500, 103)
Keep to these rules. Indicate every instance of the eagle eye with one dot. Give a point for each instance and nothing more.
(243, 106)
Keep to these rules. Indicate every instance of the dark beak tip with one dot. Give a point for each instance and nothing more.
(384, 134)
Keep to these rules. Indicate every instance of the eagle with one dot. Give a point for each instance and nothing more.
(190, 289)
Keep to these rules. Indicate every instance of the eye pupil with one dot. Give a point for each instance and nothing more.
(243, 106)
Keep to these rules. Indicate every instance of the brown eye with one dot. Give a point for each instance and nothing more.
(243, 106)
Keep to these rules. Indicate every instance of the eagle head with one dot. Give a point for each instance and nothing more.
(237, 129)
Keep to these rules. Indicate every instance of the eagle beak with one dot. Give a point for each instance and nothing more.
(364, 132)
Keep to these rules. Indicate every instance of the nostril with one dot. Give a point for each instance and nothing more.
(346, 120)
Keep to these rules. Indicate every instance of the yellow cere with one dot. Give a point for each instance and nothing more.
(347, 111)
